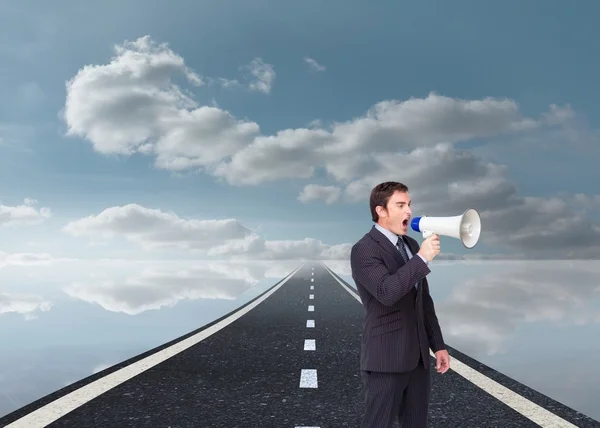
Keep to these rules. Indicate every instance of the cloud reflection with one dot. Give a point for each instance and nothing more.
(89, 328)
(481, 304)
(24, 304)
(141, 288)
(481, 313)
(25, 259)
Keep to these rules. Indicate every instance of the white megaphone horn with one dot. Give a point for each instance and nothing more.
(466, 227)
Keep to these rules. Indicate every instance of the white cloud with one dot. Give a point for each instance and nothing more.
(154, 229)
(263, 74)
(227, 83)
(446, 181)
(308, 248)
(350, 149)
(587, 202)
(25, 213)
(558, 115)
(261, 77)
(313, 192)
(543, 226)
(313, 65)
(255, 247)
(131, 106)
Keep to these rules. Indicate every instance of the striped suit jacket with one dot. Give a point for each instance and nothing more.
(400, 323)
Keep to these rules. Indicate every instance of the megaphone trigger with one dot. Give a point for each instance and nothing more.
(466, 227)
(427, 234)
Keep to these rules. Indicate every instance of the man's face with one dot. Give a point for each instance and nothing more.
(397, 215)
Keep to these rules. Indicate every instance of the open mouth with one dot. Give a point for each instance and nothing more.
(405, 222)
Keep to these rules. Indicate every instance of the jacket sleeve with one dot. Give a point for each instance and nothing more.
(370, 271)
(432, 327)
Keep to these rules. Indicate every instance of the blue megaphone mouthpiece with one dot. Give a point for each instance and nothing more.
(414, 224)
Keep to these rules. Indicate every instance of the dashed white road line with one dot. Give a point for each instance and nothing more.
(308, 378)
(310, 345)
(312, 280)
(527, 408)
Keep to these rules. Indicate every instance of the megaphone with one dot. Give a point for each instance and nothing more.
(466, 227)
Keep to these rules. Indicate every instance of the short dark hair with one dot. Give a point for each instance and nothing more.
(381, 194)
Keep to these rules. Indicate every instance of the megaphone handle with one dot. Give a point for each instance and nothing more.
(427, 234)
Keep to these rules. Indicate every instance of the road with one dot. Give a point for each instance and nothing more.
(289, 358)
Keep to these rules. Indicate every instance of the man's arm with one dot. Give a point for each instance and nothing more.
(432, 327)
(370, 271)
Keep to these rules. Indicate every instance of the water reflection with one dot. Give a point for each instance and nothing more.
(71, 319)
(533, 320)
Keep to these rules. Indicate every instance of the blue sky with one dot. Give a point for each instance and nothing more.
(472, 104)
(508, 62)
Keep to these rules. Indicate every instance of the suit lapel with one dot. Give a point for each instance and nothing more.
(386, 244)
(391, 249)
(411, 246)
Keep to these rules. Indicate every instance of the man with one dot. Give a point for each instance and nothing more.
(400, 326)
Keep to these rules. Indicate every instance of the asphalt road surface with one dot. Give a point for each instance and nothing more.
(289, 359)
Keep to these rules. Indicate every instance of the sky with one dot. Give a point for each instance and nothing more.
(139, 141)
(258, 131)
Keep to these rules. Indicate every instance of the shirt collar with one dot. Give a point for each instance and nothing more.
(390, 235)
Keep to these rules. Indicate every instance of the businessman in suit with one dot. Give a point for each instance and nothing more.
(400, 324)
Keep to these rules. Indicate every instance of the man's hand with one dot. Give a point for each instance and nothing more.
(430, 247)
(442, 361)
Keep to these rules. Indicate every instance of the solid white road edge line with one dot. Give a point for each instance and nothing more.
(67, 403)
(527, 408)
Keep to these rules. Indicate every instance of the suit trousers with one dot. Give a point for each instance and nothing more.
(397, 396)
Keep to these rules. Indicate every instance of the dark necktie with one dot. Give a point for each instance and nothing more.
(402, 249)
